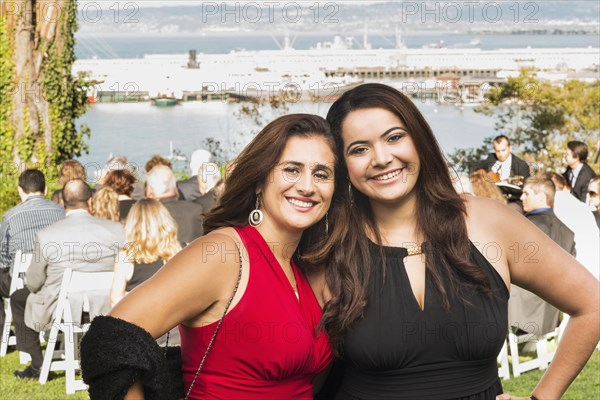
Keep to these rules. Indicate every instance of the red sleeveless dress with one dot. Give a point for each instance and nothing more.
(267, 347)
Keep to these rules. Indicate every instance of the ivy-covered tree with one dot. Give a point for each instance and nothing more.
(539, 118)
(39, 98)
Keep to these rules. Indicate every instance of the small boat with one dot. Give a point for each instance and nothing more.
(165, 101)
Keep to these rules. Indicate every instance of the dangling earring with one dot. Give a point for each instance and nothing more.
(256, 216)
(327, 223)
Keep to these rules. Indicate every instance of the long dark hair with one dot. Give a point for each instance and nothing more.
(251, 169)
(440, 217)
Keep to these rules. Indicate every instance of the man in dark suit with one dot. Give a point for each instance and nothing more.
(578, 172)
(161, 185)
(210, 200)
(593, 198)
(79, 241)
(525, 310)
(504, 162)
(538, 200)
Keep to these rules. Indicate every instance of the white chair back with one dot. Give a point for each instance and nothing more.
(20, 266)
(79, 283)
(22, 262)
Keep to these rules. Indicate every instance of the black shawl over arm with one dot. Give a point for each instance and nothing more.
(114, 353)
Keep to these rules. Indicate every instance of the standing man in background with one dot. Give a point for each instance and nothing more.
(503, 162)
(593, 198)
(578, 173)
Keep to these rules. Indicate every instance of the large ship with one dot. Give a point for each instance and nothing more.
(327, 70)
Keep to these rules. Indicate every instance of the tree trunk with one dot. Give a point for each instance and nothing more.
(35, 25)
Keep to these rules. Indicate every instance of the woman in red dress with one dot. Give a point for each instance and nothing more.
(268, 346)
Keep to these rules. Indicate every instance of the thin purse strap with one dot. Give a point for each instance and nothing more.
(239, 278)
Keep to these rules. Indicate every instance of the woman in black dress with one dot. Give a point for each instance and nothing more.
(415, 288)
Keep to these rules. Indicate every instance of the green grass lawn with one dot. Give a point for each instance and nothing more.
(586, 386)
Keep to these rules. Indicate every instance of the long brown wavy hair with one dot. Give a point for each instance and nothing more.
(252, 168)
(440, 218)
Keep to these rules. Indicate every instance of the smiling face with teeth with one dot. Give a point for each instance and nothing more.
(299, 190)
(380, 155)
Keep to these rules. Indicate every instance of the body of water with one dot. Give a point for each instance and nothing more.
(140, 130)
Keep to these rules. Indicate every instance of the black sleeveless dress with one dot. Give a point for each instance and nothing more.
(398, 351)
(142, 272)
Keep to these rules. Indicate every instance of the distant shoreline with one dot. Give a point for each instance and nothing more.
(260, 33)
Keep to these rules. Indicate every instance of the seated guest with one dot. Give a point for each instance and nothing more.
(161, 185)
(121, 180)
(114, 163)
(139, 187)
(527, 311)
(69, 170)
(538, 202)
(578, 172)
(157, 160)
(105, 204)
(79, 241)
(579, 218)
(210, 200)
(593, 198)
(151, 240)
(503, 162)
(483, 186)
(20, 224)
(205, 175)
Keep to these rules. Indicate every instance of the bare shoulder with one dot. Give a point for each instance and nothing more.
(482, 206)
(199, 276)
(490, 224)
(487, 217)
(215, 249)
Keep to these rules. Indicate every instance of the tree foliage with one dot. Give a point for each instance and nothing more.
(40, 99)
(539, 118)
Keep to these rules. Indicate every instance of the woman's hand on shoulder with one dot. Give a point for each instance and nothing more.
(198, 276)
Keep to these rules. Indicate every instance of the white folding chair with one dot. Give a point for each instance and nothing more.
(503, 369)
(543, 355)
(73, 283)
(21, 265)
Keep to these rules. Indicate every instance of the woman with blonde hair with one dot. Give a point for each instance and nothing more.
(105, 204)
(150, 241)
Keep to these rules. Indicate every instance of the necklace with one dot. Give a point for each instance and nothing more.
(414, 250)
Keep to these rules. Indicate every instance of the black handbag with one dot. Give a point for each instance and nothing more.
(173, 353)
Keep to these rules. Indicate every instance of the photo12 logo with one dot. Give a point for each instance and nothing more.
(469, 11)
(270, 11)
(42, 11)
(117, 11)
